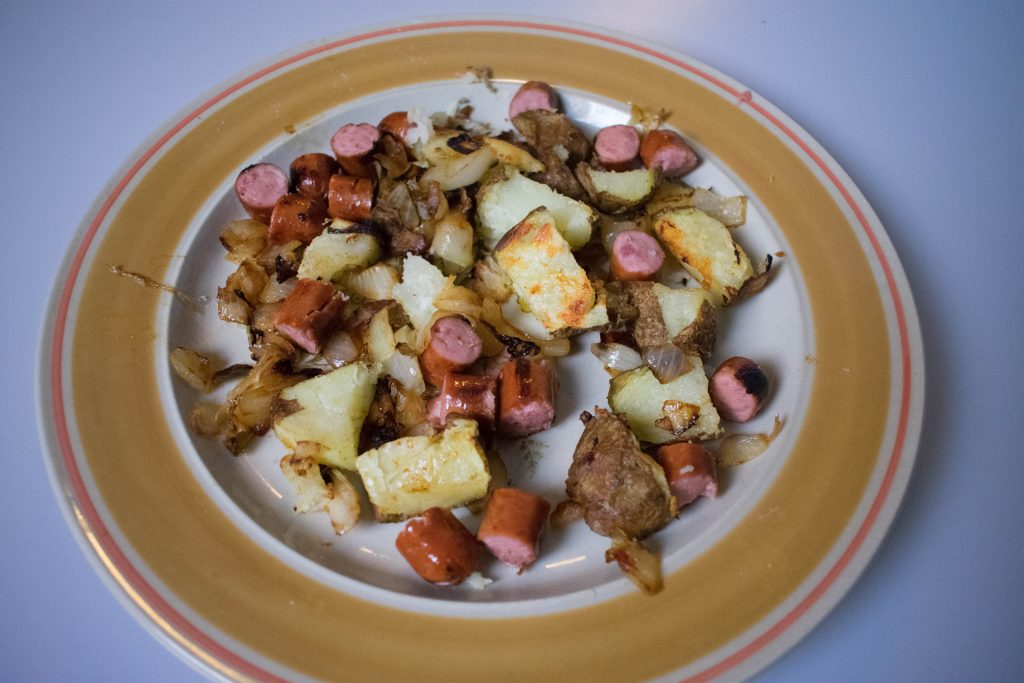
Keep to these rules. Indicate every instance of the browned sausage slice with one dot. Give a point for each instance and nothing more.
(310, 313)
(617, 147)
(512, 526)
(533, 95)
(352, 145)
(526, 397)
(739, 389)
(471, 396)
(636, 256)
(453, 346)
(311, 173)
(296, 218)
(395, 124)
(690, 471)
(666, 150)
(258, 188)
(350, 198)
(438, 547)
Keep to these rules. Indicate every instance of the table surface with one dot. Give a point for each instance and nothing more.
(920, 102)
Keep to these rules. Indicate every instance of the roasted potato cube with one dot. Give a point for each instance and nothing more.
(328, 410)
(706, 249)
(406, 476)
(547, 278)
(506, 196)
(331, 255)
(514, 156)
(617, 191)
(680, 410)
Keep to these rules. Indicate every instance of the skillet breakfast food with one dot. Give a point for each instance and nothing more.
(407, 298)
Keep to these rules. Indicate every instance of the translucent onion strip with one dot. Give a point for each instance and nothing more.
(617, 357)
(737, 449)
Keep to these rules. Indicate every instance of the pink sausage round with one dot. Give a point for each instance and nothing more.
(453, 346)
(689, 470)
(617, 147)
(666, 150)
(512, 526)
(739, 389)
(352, 145)
(533, 95)
(526, 397)
(259, 187)
(636, 256)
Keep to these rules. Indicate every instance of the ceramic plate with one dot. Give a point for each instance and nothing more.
(205, 547)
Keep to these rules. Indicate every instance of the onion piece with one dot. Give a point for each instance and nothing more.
(277, 291)
(737, 449)
(340, 349)
(207, 419)
(461, 171)
(453, 243)
(243, 239)
(730, 211)
(666, 361)
(639, 564)
(617, 357)
(380, 340)
(406, 371)
(611, 228)
(193, 367)
(373, 283)
(343, 507)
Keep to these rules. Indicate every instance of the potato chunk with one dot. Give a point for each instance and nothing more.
(680, 410)
(328, 410)
(617, 191)
(406, 476)
(706, 249)
(547, 278)
(506, 196)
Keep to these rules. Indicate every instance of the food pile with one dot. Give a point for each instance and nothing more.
(407, 297)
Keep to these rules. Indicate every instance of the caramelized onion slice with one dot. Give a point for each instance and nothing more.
(639, 564)
(666, 361)
(737, 449)
(617, 357)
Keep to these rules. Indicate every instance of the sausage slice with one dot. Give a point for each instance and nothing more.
(311, 174)
(690, 471)
(296, 218)
(258, 188)
(349, 197)
(310, 313)
(533, 95)
(512, 526)
(471, 396)
(352, 145)
(526, 398)
(666, 150)
(453, 346)
(636, 256)
(739, 389)
(438, 547)
(617, 147)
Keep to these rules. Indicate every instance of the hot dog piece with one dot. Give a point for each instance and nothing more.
(666, 150)
(512, 526)
(258, 188)
(296, 218)
(438, 547)
(352, 146)
(636, 256)
(617, 147)
(526, 397)
(739, 389)
(533, 95)
(310, 313)
(350, 198)
(311, 174)
(453, 347)
(690, 471)
(471, 396)
(395, 124)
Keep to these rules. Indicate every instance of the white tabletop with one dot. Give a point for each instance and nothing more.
(922, 105)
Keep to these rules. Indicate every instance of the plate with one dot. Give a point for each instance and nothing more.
(204, 547)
